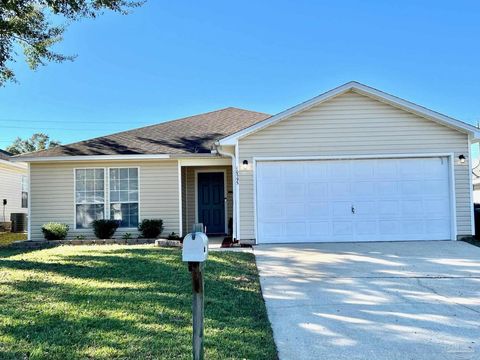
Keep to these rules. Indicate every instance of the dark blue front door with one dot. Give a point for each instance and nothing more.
(211, 204)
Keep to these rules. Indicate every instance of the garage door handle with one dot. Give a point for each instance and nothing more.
(353, 209)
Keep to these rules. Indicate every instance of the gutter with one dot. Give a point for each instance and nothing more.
(110, 157)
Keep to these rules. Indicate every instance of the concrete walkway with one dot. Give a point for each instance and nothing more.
(402, 300)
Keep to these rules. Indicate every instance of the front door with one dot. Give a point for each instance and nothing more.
(211, 201)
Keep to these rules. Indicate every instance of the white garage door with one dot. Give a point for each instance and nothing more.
(353, 200)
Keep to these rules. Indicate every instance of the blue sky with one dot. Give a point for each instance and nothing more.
(170, 59)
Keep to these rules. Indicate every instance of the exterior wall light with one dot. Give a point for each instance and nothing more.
(245, 165)
(462, 159)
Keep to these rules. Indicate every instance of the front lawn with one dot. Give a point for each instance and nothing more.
(6, 238)
(127, 302)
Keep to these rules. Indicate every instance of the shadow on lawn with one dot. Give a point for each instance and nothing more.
(132, 303)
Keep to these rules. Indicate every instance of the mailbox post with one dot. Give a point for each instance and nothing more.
(195, 252)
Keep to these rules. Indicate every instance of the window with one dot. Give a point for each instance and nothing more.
(89, 196)
(24, 192)
(124, 196)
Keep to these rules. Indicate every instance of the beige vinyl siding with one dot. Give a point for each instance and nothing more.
(52, 193)
(11, 189)
(189, 198)
(353, 124)
(184, 202)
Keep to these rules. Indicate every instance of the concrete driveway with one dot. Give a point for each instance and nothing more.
(402, 300)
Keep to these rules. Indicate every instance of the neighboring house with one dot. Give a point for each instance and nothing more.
(13, 187)
(353, 164)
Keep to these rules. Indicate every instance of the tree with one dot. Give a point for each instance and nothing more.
(36, 25)
(38, 141)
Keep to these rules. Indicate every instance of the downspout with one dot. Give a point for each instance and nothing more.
(219, 151)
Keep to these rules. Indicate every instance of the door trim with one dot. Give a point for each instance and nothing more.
(449, 156)
(225, 192)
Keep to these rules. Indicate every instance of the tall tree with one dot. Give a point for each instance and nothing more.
(36, 25)
(38, 141)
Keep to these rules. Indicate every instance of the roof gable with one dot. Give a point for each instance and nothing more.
(362, 90)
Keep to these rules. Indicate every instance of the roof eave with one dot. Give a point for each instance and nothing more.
(69, 158)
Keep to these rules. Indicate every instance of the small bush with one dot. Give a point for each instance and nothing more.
(55, 231)
(127, 236)
(104, 229)
(173, 236)
(151, 228)
(80, 237)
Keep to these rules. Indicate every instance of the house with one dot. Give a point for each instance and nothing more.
(13, 188)
(352, 164)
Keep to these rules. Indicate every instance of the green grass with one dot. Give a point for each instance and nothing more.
(6, 238)
(127, 302)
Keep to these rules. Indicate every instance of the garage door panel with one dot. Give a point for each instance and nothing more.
(393, 199)
(317, 172)
(294, 192)
(388, 228)
(363, 189)
(412, 208)
(412, 188)
(271, 191)
(363, 169)
(436, 208)
(413, 227)
(321, 230)
(317, 191)
(271, 211)
(318, 210)
(340, 190)
(337, 170)
(295, 211)
(366, 228)
(341, 208)
(272, 230)
(388, 209)
(342, 228)
(293, 171)
(365, 209)
(435, 188)
(437, 226)
(387, 188)
(411, 168)
(386, 169)
(294, 230)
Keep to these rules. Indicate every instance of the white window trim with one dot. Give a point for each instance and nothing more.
(22, 190)
(106, 188)
(75, 194)
(107, 197)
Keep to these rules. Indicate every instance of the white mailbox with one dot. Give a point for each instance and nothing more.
(195, 247)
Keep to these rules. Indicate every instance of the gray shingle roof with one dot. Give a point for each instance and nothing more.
(194, 134)
(5, 155)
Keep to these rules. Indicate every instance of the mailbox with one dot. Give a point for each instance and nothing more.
(195, 247)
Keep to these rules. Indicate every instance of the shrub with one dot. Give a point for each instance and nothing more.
(80, 237)
(173, 236)
(55, 231)
(104, 229)
(127, 236)
(151, 228)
